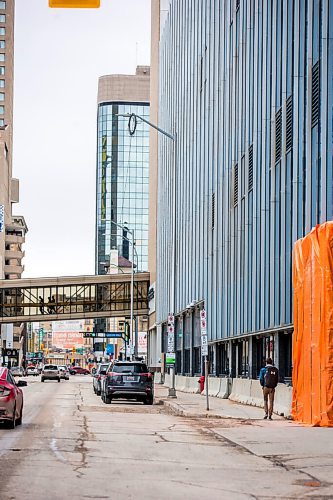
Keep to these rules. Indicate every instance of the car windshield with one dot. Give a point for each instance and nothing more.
(129, 368)
(50, 367)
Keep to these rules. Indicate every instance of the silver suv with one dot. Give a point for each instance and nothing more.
(50, 372)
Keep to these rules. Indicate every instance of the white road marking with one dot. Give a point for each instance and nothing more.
(54, 448)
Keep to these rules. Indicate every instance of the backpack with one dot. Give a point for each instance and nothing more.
(271, 377)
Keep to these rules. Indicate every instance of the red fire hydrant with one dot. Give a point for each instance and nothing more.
(201, 381)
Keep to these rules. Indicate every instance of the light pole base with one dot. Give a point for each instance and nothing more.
(172, 393)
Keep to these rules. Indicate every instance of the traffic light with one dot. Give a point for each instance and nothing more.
(74, 4)
(42, 347)
(127, 331)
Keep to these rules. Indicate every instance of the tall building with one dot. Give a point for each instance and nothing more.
(12, 227)
(122, 168)
(122, 180)
(248, 89)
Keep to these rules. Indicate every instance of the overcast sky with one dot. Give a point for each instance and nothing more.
(59, 55)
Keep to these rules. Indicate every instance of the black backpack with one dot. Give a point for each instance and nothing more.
(271, 377)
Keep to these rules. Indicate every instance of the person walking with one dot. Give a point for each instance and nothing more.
(269, 378)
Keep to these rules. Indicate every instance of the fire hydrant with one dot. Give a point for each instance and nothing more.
(201, 381)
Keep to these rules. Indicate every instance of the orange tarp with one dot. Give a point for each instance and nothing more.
(313, 327)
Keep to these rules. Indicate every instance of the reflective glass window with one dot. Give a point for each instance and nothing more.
(2, 96)
(2, 18)
(2, 5)
(2, 44)
(2, 57)
(2, 110)
(2, 31)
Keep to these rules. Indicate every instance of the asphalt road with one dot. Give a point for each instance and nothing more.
(72, 446)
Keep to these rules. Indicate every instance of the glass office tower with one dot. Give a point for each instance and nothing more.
(122, 170)
(122, 184)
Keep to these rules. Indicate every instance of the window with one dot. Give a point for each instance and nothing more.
(2, 110)
(2, 57)
(2, 70)
(2, 5)
(2, 84)
(2, 96)
(2, 44)
(2, 31)
(2, 122)
(2, 18)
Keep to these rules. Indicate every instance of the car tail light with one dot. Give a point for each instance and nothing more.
(148, 375)
(4, 392)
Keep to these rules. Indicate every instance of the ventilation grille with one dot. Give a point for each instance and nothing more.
(251, 167)
(278, 135)
(315, 108)
(213, 210)
(236, 184)
(289, 123)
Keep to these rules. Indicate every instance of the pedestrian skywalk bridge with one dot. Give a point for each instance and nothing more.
(79, 297)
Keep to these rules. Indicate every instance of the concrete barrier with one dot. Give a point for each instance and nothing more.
(225, 388)
(249, 392)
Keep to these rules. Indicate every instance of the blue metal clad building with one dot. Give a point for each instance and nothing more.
(247, 87)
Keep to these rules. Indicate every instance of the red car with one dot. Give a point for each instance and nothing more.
(11, 398)
(77, 370)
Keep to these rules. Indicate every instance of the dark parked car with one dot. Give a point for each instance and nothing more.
(99, 376)
(128, 380)
(77, 370)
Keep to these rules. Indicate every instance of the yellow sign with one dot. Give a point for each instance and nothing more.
(75, 4)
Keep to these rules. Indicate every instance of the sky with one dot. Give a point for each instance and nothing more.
(59, 56)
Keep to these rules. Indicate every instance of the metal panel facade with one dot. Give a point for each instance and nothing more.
(252, 112)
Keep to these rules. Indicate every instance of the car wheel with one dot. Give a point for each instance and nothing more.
(43, 380)
(98, 393)
(107, 400)
(58, 379)
(148, 401)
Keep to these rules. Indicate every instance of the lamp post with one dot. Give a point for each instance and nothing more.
(132, 241)
(132, 124)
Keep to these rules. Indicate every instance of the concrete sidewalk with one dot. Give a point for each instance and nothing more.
(194, 405)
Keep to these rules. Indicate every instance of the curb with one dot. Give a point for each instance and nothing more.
(176, 410)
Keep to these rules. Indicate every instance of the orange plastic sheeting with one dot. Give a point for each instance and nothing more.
(313, 327)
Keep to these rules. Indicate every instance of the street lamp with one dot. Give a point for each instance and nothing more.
(132, 241)
(132, 125)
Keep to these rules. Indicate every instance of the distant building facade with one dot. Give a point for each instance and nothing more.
(122, 168)
(248, 89)
(13, 228)
(122, 180)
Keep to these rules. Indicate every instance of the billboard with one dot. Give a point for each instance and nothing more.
(67, 334)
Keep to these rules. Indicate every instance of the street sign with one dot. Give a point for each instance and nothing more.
(113, 335)
(68, 4)
(204, 336)
(170, 358)
(2, 218)
(171, 333)
(89, 335)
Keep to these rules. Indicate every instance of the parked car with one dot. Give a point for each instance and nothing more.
(128, 380)
(17, 371)
(11, 398)
(64, 372)
(77, 370)
(50, 372)
(99, 376)
(32, 370)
